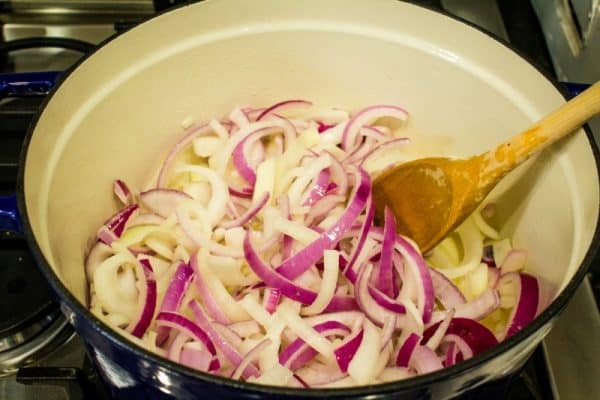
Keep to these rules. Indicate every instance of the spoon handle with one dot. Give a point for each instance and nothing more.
(564, 120)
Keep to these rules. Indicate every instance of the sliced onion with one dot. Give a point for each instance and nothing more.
(462, 348)
(250, 357)
(527, 303)
(415, 262)
(272, 297)
(514, 261)
(385, 279)
(174, 295)
(283, 105)
(363, 366)
(406, 350)
(249, 214)
(385, 146)
(477, 336)
(287, 287)
(240, 161)
(122, 192)
(305, 258)
(347, 350)
(366, 303)
(387, 332)
(305, 331)
(434, 341)
(148, 294)
(199, 359)
(386, 302)
(479, 308)
(298, 352)
(445, 291)
(212, 307)
(424, 360)
(328, 283)
(367, 116)
(180, 145)
(221, 305)
(319, 189)
(97, 254)
(350, 271)
(114, 227)
(183, 324)
(320, 210)
(451, 355)
(245, 193)
(226, 348)
(163, 202)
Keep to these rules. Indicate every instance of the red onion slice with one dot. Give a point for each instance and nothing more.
(105, 235)
(271, 299)
(283, 105)
(374, 152)
(226, 348)
(434, 341)
(367, 116)
(527, 303)
(478, 337)
(385, 279)
(486, 303)
(97, 254)
(148, 283)
(406, 350)
(163, 202)
(249, 214)
(113, 228)
(239, 158)
(386, 302)
(305, 258)
(287, 287)
(415, 262)
(514, 261)
(174, 296)
(199, 359)
(424, 360)
(347, 350)
(319, 189)
(183, 324)
(451, 355)
(372, 309)
(180, 145)
(208, 299)
(298, 352)
(250, 357)
(463, 349)
(122, 192)
(366, 225)
(445, 291)
(389, 327)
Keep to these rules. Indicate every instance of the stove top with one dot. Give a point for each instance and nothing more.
(41, 356)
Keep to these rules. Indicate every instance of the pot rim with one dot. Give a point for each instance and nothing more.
(421, 381)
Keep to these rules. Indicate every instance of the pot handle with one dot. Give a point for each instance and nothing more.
(10, 220)
(24, 84)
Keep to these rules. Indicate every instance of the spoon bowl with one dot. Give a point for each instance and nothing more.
(432, 196)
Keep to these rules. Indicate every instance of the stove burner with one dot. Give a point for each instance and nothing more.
(26, 306)
(31, 324)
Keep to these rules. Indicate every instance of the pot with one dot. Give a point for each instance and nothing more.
(117, 112)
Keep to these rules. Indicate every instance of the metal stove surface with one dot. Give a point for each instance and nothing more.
(566, 366)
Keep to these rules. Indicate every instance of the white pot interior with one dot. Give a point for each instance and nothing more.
(118, 113)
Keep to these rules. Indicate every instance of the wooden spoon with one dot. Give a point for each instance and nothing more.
(431, 196)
